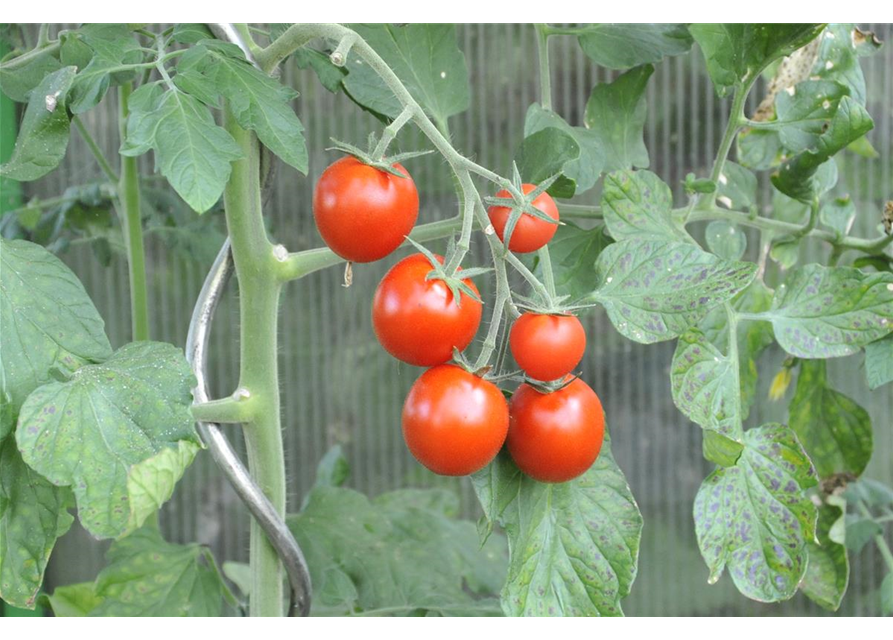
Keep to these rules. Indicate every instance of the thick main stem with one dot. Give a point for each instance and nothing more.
(542, 48)
(259, 288)
(131, 221)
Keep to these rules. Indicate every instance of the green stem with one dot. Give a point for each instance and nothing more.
(43, 36)
(101, 160)
(736, 117)
(879, 540)
(259, 289)
(546, 266)
(542, 48)
(132, 224)
(30, 56)
(811, 223)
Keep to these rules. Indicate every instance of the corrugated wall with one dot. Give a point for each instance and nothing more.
(338, 385)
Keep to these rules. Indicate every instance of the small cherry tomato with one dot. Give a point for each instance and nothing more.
(547, 347)
(530, 233)
(454, 422)
(416, 320)
(555, 437)
(363, 213)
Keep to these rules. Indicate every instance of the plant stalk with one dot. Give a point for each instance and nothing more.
(542, 49)
(259, 289)
(131, 221)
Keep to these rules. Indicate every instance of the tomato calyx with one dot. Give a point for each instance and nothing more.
(521, 203)
(454, 282)
(551, 386)
(369, 158)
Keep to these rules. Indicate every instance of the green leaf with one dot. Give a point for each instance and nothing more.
(33, 513)
(616, 112)
(330, 76)
(737, 187)
(860, 531)
(828, 571)
(585, 169)
(797, 177)
(879, 362)
(151, 482)
(759, 149)
(113, 45)
(638, 204)
(427, 60)
(841, 47)
(18, 83)
(620, 46)
(721, 450)
(43, 134)
(753, 336)
(833, 429)
(804, 111)
(49, 322)
(871, 492)
(826, 312)
(191, 33)
(193, 153)
(573, 252)
(737, 53)
(404, 554)
(838, 215)
(546, 153)
(147, 576)
(706, 387)
(725, 239)
(72, 601)
(93, 431)
(573, 547)
(655, 291)
(258, 102)
(755, 517)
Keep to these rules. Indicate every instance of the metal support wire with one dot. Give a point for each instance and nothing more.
(251, 494)
(274, 526)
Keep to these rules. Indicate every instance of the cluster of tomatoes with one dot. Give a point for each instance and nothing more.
(455, 422)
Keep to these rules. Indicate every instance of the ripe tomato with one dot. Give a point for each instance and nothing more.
(555, 437)
(416, 320)
(363, 213)
(530, 233)
(454, 423)
(547, 347)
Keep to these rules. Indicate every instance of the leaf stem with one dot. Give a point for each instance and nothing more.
(29, 56)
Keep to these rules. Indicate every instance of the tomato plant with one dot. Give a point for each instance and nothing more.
(417, 319)
(578, 229)
(454, 422)
(556, 436)
(362, 212)
(547, 347)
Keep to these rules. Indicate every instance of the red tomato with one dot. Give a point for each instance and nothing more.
(454, 423)
(416, 320)
(530, 233)
(363, 213)
(555, 437)
(547, 347)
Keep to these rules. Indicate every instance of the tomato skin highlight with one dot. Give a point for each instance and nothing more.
(363, 213)
(555, 437)
(547, 347)
(530, 233)
(454, 422)
(416, 320)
